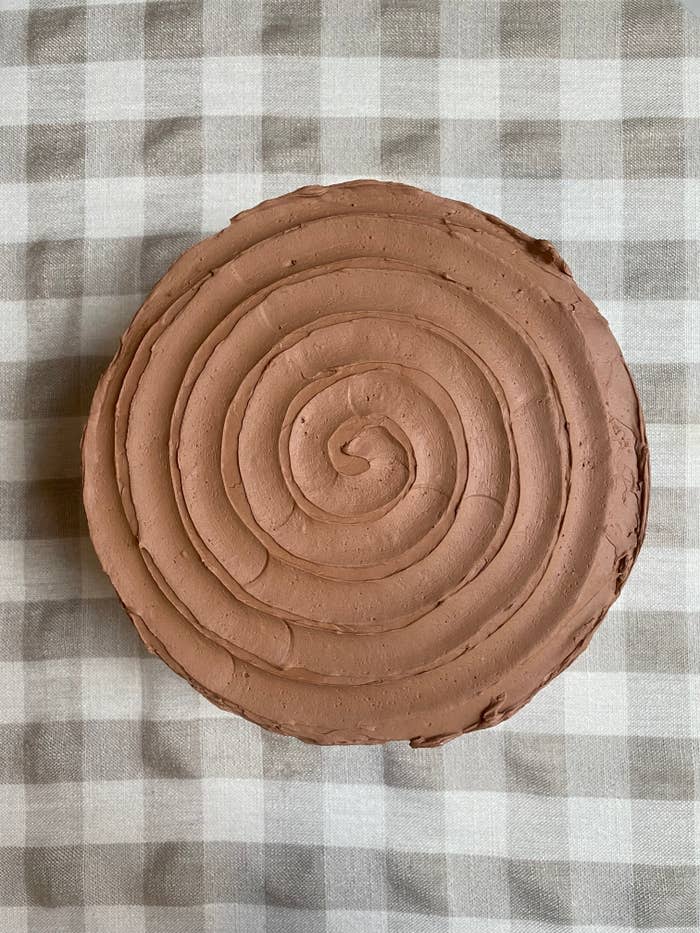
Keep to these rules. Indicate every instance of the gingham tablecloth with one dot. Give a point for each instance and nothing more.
(128, 804)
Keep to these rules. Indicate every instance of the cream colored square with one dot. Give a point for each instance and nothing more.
(599, 826)
(232, 85)
(181, 799)
(595, 703)
(592, 209)
(105, 804)
(13, 810)
(12, 466)
(14, 95)
(224, 195)
(484, 193)
(476, 823)
(353, 815)
(94, 582)
(111, 688)
(103, 320)
(12, 571)
(233, 810)
(119, 918)
(13, 335)
(102, 79)
(13, 213)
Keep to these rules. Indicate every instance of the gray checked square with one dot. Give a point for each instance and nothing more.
(173, 30)
(224, 34)
(602, 894)
(653, 29)
(341, 35)
(479, 886)
(535, 764)
(13, 154)
(54, 876)
(53, 328)
(54, 269)
(114, 266)
(540, 891)
(659, 269)
(658, 641)
(53, 751)
(531, 149)
(114, 148)
(112, 751)
(171, 749)
(12, 403)
(654, 147)
(362, 159)
(666, 895)
(342, 866)
(114, 875)
(54, 630)
(282, 760)
(291, 144)
(597, 766)
(12, 622)
(230, 142)
(53, 807)
(478, 765)
(469, 29)
(470, 148)
(591, 149)
(416, 883)
(157, 253)
(590, 29)
(530, 30)
(412, 768)
(40, 509)
(172, 204)
(56, 37)
(410, 28)
(173, 147)
(229, 748)
(13, 877)
(13, 37)
(291, 27)
(173, 874)
(662, 768)
(55, 151)
(670, 509)
(234, 873)
(294, 876)
(410, 147)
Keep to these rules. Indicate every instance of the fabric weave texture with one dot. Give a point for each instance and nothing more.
(128, 131)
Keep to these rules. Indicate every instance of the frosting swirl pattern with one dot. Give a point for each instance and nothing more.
(368, 465)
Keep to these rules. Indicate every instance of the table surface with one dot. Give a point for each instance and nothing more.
(128, 804)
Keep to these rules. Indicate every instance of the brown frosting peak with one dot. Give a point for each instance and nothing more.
(368, 465)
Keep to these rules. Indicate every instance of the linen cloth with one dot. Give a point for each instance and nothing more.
(128, 804)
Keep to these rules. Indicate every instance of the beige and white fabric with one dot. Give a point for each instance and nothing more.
(128, 804)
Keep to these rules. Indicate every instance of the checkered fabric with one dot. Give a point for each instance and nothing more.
(128, 804)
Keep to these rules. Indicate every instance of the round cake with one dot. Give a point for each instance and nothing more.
(368, 465)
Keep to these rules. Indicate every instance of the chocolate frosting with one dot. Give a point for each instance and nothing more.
(368, 465)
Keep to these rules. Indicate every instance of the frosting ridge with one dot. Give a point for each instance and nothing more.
(368, 465)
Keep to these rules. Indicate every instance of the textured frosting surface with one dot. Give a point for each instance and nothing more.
(368, 465)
